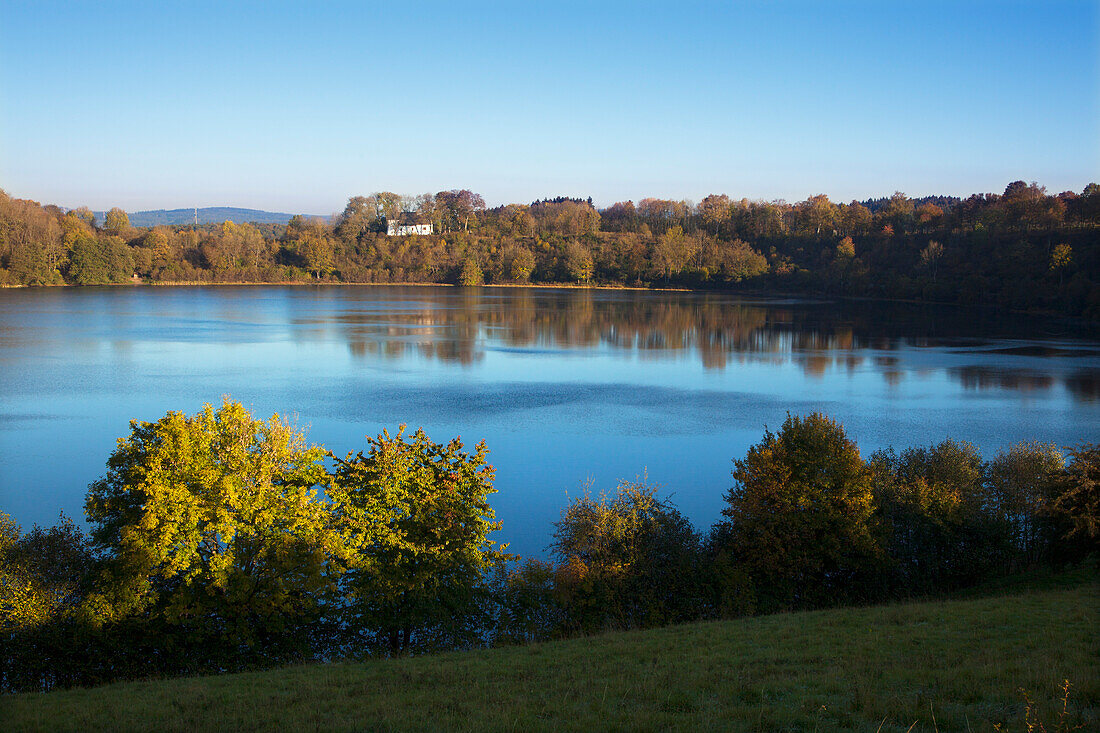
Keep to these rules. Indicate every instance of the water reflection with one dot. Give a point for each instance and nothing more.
(460, 326)
(563, 385)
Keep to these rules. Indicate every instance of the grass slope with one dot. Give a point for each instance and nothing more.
(961, 661)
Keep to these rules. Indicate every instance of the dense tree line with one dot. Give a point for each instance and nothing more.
(223, 542)
(1023, 249)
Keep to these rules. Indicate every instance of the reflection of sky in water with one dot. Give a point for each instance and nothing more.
(562, 385)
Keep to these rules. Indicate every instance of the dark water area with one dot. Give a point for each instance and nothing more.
(567, 387)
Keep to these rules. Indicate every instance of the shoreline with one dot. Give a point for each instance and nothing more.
(574, 286)
(340, 283)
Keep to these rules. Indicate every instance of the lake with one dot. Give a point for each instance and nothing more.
(567, 387)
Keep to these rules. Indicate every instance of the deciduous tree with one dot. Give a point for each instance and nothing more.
(417, 516)
(214, 526)
(798, 520)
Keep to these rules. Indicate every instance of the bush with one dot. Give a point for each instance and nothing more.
(627, 560)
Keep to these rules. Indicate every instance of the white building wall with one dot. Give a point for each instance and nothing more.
(401, 230)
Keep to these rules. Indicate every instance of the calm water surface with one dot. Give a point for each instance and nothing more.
(565, 386)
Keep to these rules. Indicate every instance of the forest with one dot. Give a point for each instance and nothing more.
(222, 542)
(1023, 249)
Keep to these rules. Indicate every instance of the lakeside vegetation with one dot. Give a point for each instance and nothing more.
(224, 543)
(1023, 249)
(968, 665)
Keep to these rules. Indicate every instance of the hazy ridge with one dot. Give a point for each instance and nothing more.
(206, 214)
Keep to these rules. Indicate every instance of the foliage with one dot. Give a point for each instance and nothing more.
(524, 604)
(116, 221)
(1076, 502)
(1023, 249)
(1021, 483)
(416, 517)
(887, 668)
(213, 546)
(44, 575)
(471, 274)
(798, 520)
(627, 560)
(939, 529)
(215, 532)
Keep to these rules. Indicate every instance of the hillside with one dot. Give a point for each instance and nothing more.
(207, 215)
(947, 665)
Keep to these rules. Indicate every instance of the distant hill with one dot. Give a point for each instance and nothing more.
(207, 215)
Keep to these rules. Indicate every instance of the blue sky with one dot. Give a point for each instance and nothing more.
(296, 107)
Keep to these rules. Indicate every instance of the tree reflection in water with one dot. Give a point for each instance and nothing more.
(460, 325)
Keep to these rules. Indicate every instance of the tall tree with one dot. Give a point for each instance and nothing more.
(417, 516)
(798, 519)
(215, 530)
(116, 221)
(627, 559)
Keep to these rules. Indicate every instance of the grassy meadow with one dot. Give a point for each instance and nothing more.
(960, 664)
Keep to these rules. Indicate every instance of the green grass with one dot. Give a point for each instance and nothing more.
(962, 661)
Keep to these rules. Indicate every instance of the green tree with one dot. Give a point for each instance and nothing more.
(116, 221)
(471, 274)
(42, 573)
(940, 526)
(89, 264)
(416, 515)
(523, 264)
(215, 531)
(579, 264)
(629, 559)
(673, 251)
(44, 576)
(798, 520)
(1076, 503)
(1021, 483)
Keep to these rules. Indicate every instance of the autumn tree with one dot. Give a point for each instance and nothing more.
(84, 214)
(1022, 482)
(715, 211)
(673, 251)
(359, 217)
(734, 261)
(626, 559)
(846, 250)
(1076, 501)
(216, 533)
(458, 208)
(818, 214)
(940, 528)
(116, 221)
(853, 218)
(416, 515)
(1060, 260)
(522, 265)
(471, 274)
(930, 258)
(928, 215)
(579, 264)
(316, 253)
(798, 519)
(898, 213)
